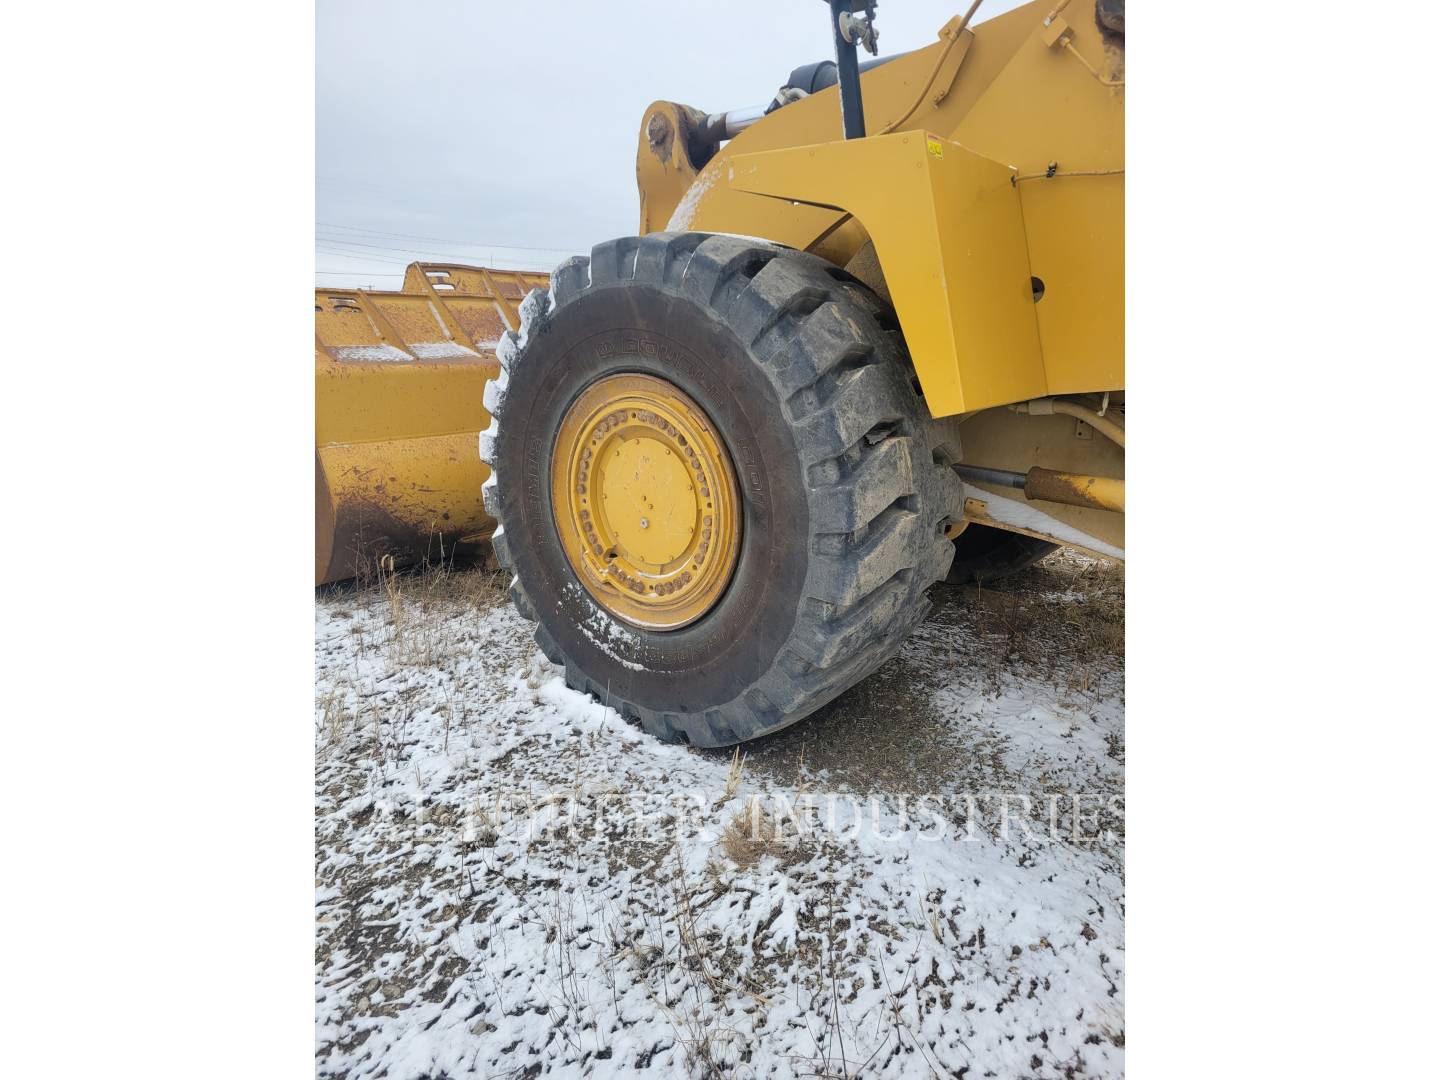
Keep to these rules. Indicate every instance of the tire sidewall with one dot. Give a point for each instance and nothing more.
(650, 330)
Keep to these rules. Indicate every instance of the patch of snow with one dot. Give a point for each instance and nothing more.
(494, 393)
(441, 350)
(604, 632)
(536, 303)
(511, 877)
(506, 349)
(684, 213)
(1014, 512)
(370, 354)
(751, 239)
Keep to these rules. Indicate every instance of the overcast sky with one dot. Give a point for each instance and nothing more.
(505, 133)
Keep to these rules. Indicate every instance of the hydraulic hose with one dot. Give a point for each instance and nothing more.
(939, 63)
(1047, 406)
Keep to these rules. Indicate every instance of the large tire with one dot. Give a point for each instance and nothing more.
(983, 555)
(846, 491)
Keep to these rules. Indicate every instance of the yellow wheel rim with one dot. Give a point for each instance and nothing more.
(645, 501)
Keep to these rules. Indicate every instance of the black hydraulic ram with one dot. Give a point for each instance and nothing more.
(851, 21)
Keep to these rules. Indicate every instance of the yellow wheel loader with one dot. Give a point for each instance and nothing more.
(399, 383)
(867, 337)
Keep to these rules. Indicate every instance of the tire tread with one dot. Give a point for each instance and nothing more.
(878, 485)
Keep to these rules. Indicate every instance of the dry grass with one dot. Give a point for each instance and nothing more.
(752, 834)
(446, 589)
(418, 599)
(416, 630)
(1069, 607)
(335, 717)
(733, 776)
(441, 586)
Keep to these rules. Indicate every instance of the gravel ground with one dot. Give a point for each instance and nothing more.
(926, 877)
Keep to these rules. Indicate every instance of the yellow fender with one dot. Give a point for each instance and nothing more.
(948, 231)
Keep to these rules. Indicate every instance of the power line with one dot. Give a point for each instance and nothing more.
(358, 273)
(382, 251)
(352, 182)
(439, 240)
(388, 254)
(491, 264)
(383, 247)
(379, 234)
(499, 262)
(352, 255)
(331, 247)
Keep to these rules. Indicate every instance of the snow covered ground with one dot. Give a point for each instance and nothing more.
(925, 878)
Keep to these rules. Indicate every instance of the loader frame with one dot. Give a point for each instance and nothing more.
(987, 205)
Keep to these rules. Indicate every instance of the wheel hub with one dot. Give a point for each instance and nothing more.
(645, 501)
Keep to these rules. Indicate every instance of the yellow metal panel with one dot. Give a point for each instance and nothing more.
(462, 280)
(372, 402)
(1045, 107)
(947, 228)
(1076, 230)
(436, 463)
(341, 321)
(482, 319)
(891, 92)
(417, 323)
(1008, 95)
(409, 499)
(399, 405)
